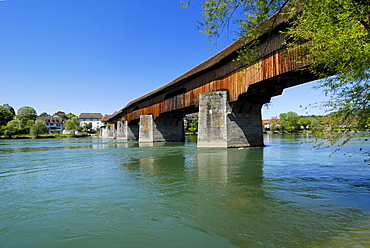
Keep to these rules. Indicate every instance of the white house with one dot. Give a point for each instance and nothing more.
(55, 124)
(93, 118)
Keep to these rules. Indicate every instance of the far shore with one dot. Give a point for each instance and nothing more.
(49, 136)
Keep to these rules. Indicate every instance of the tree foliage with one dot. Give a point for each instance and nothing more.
(10, 108)
(25, 114)
(334, 33)
(5, 116)
(87, 126)
(13, 127)
(289, 121)
(193, 126)
(61, 114)
(73, 124)
(38, 127)
(70, 115)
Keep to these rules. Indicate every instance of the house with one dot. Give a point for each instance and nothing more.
(55, 124)
(268, 124)
(93, 118)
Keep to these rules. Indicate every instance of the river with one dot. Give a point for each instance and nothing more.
(90, 192)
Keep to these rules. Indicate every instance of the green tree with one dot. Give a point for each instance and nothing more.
(73, 124)
(289, 121)
(13, 127)
(70, 115)
(10, 108)
(25, 114)
(2, 129)
(334, 33)
(43, 114)
(193, 126)
(87, 126)
(305, 122)
(5, 116)
(61, 114)
(38, 127)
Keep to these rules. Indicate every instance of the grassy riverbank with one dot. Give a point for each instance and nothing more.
(49, 136)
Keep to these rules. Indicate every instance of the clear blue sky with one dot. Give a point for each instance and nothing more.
(96, 56)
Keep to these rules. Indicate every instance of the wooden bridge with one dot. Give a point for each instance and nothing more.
(227, 94)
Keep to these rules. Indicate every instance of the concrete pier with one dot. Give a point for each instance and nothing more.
(161, 129)
(127, 132)
(222, 125)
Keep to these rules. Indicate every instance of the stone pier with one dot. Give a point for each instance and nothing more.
(111, 130)
(161, 129)
(127, 132)
(223, 125)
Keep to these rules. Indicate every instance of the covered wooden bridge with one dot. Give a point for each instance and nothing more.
(228, 95)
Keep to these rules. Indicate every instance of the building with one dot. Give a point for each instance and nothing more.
(55, 124)
(268, 124)
(93, 118)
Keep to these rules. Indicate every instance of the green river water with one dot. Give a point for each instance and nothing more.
(91, 192)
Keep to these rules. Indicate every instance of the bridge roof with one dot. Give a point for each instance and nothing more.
(268, 25)
(197, 69)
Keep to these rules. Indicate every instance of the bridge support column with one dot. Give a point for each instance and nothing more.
(223, 125)
(111, 131)
(161, 129)
(127, 132)
(103, 132)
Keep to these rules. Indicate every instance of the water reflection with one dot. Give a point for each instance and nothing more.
(242, 166)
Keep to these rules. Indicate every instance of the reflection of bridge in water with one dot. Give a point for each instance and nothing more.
(228, 96)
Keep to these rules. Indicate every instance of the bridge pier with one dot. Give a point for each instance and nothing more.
(127, 132)
(111, 131)
(161, 129)
(223, 125)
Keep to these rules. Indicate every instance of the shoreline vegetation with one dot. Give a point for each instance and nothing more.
(49, 136)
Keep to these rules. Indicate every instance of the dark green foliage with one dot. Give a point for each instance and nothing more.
(73, 124)
(25, 114)
(193, 126)
(5, 116)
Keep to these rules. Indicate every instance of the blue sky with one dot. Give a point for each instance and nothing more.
(96, 56)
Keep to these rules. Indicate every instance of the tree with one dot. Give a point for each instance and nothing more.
(193, 126)
(10, 108)
(289, 121)
(25, 114)
(38, 127)
(334, 33)
(305, 122)
(70, 115)
(43, 114)
(5, 116)
(73, 124)
(61, 114)
(13, 127)
(87, 126)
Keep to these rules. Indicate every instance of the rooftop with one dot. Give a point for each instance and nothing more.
(90, 116)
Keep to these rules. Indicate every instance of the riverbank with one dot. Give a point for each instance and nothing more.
(49, 136)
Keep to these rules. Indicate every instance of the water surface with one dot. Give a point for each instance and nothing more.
(105, 193)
